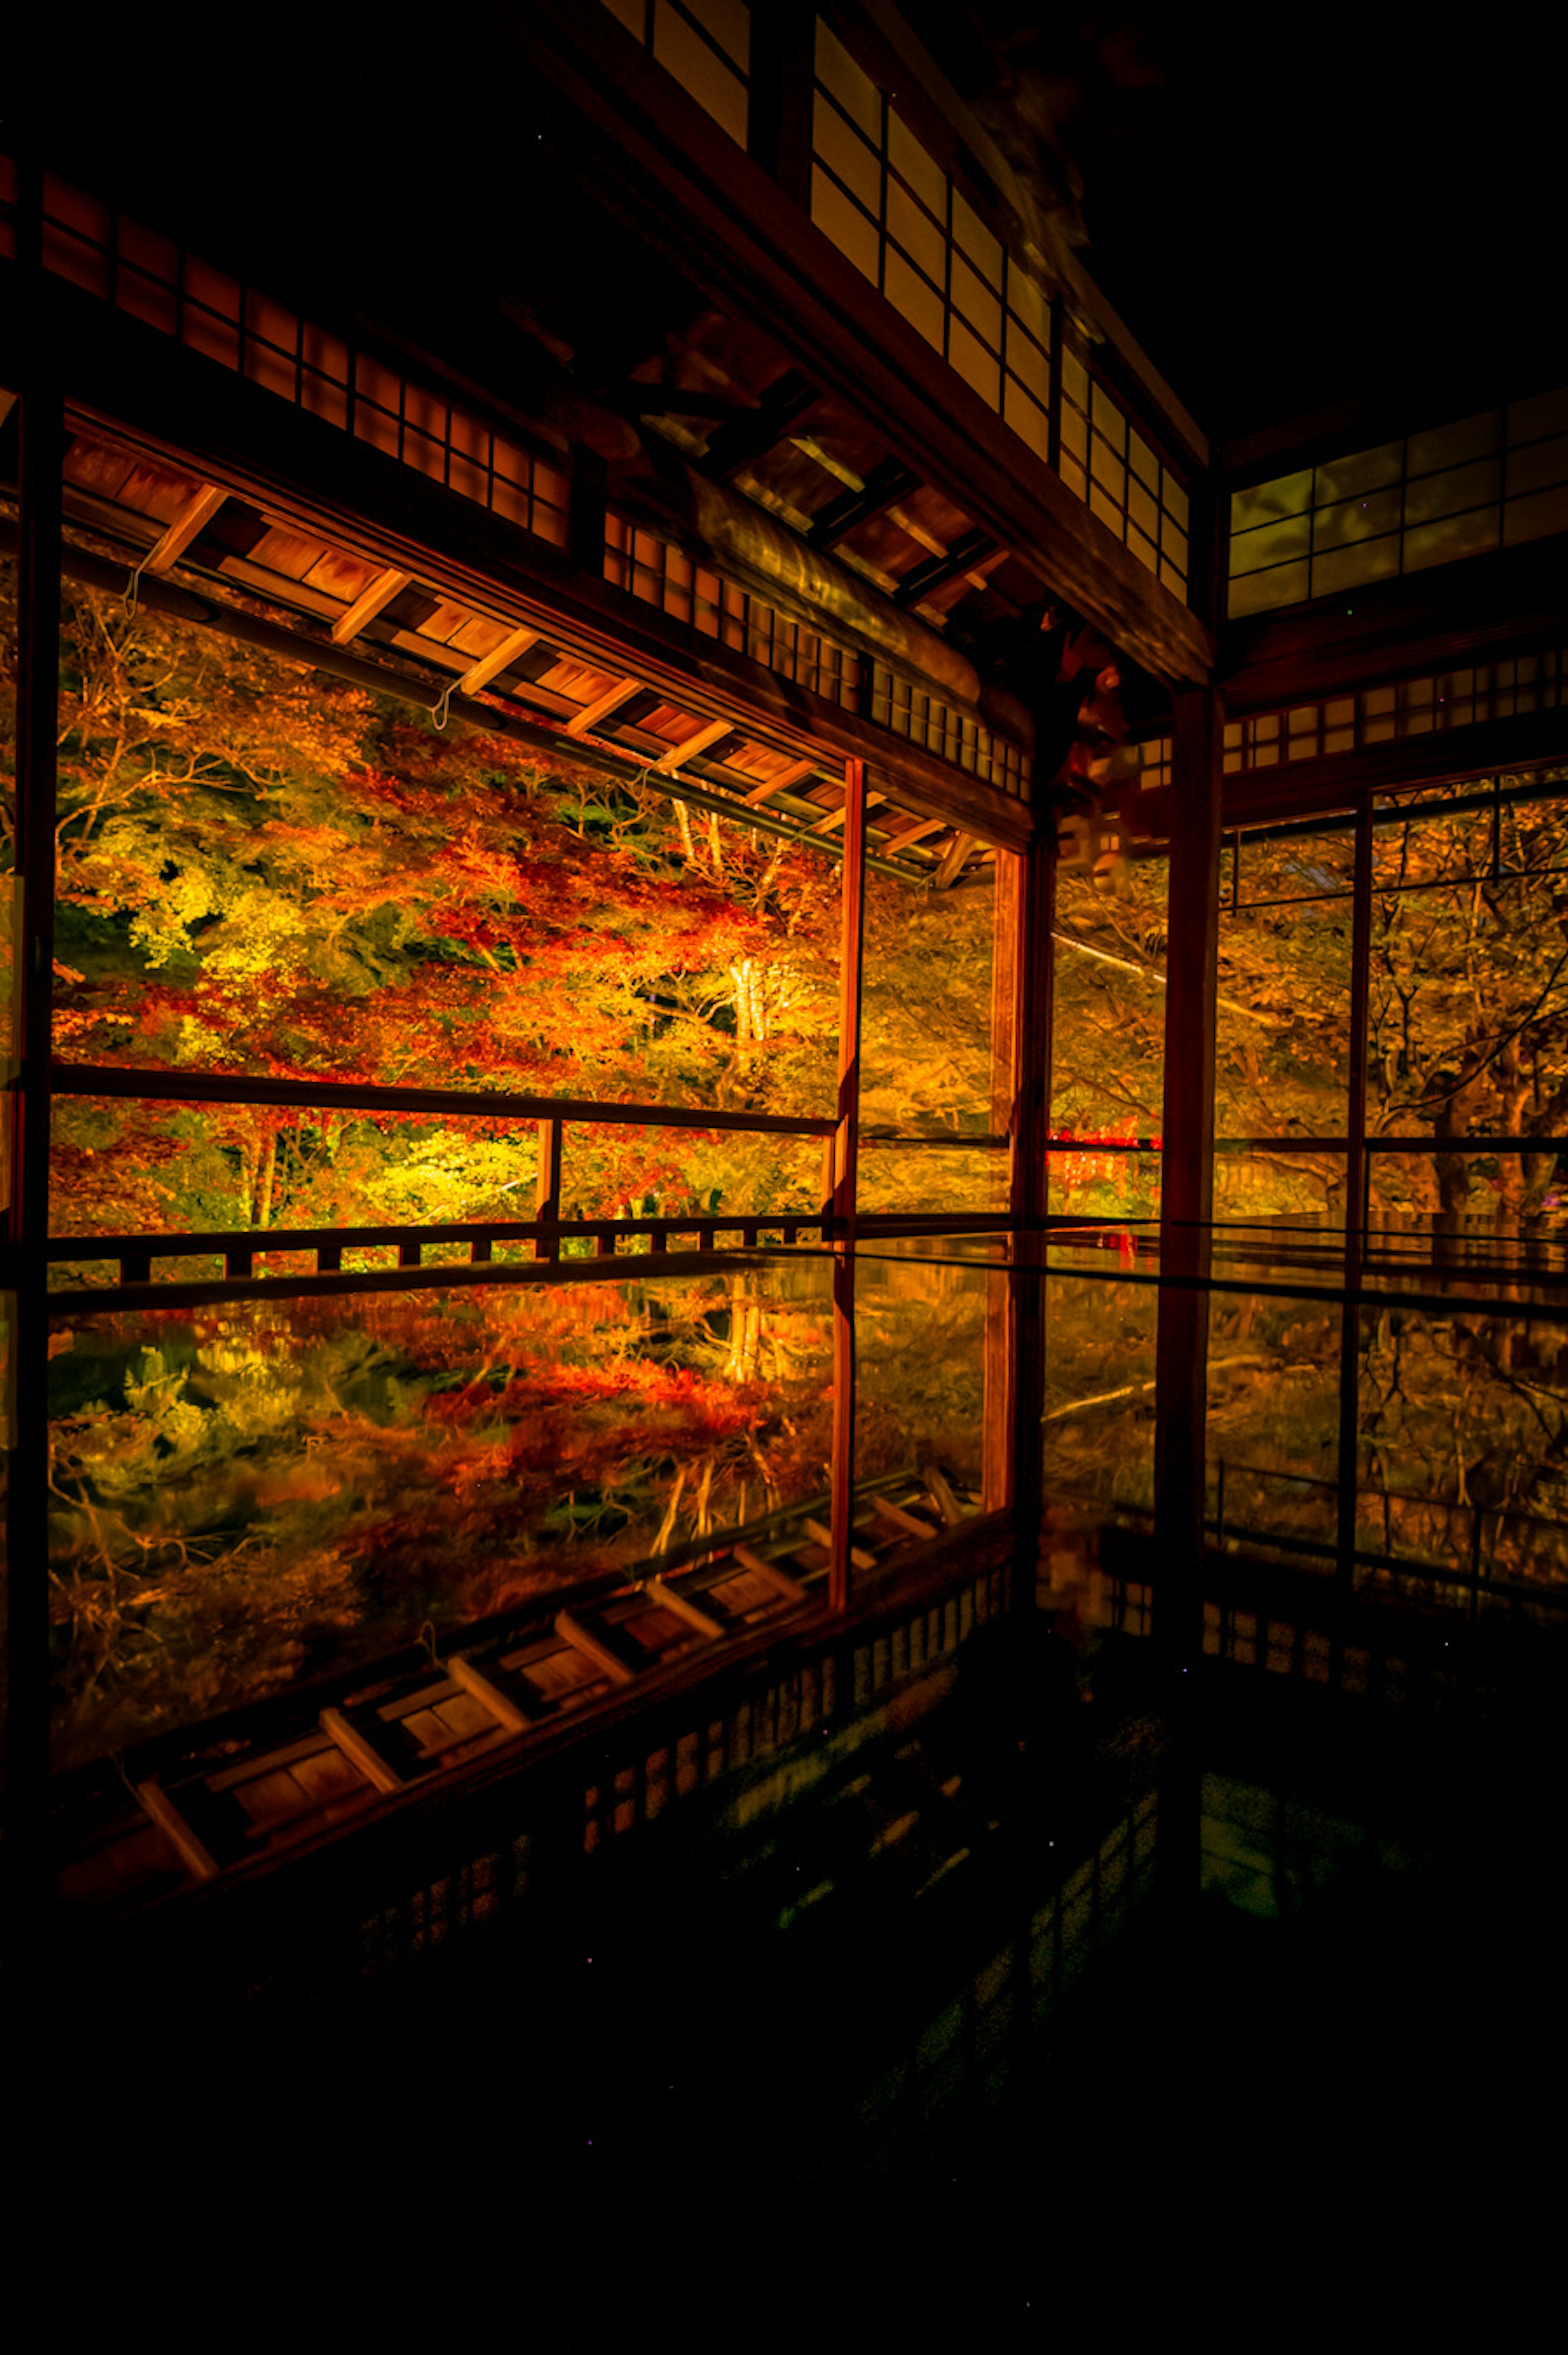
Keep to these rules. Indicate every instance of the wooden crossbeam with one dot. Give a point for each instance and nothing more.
(690, 746)
(953, 859)
(593, 1647)
(602, 706)
(911, 834)
(742, 436)
(182, 527)
(683, 1608)
(501, 1707)
(976, 548)
(360, 1752)
(910, 1523)
(370, 600)
(835, 818)
(191, 1851)
(824, 1536)
(888, 482)
(491, 666)
(782, 1580)
(945, 1502)
(792, 776)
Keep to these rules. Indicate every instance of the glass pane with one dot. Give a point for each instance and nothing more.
(1459, 1455)
(1356, 520)
(1286, 1188)
(304, 903)
(1438, 835)
(1533, 835)
(1108, 1045)
(1098, 1424)
(1353, 477)
(255, 1495)
(1291, 495)
(925, 1044)
(1282, 1043)
(1489, 1203)
(923, 1336)
(1466, 1033)
(1273, 1424)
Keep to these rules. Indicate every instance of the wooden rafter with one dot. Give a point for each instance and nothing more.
(976, 548)
(491, 666)
(835, 818)
(603, 705)
(740, 438)
(912, 835)
(888, 482)
(795, 774)
(182, 527)
(370, 600)
(953, 859)
(712, 731)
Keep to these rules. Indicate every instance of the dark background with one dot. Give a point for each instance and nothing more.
(1297, 207)
(1291, 208)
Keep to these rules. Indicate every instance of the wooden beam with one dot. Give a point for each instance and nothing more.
(835, 818)
(182, 527)
(191, 1851)
(593, 1647)
(547, 1186)
(940, 1490)
(797, 772)
(912, 835)
(909, 1524)
(1332, 780)
(845, 1180)
(372, 598)
(858, 1555)
(783, 1581)
(157, 413)
(712, 732)
(669, 1599)
(360, 1751)
(709, 211)
(584, 721)
(975, 547)
(953, 859)
(501, 1707)
(1187, 1159)
(888, 482)
(491, 666)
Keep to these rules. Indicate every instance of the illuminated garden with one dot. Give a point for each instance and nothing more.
(267, 873)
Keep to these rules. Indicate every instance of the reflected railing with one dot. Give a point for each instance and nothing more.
(475, 1540)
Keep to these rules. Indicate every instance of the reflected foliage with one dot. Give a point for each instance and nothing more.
(1109, 1038)
(254, 1493)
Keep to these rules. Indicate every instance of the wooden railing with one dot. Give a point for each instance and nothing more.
(550, 1235)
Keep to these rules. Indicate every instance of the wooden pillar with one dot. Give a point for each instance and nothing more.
(1036, 1024)
(547, 1187)
(1187, 1169)
(1356, 1107)
(1355, 1220)
(1187, 1176)
(852, 939)
(28, 1137)
(1020, 1099)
